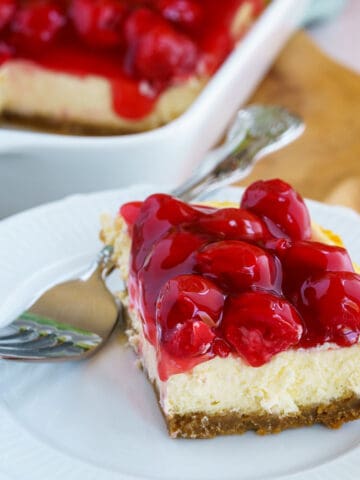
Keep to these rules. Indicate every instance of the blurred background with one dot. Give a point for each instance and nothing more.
(334, 25)
(316, 75)
(320, 80)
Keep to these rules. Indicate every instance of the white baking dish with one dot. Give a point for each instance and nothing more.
(39, 167)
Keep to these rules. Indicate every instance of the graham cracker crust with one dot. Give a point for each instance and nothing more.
(66, 127)
(201, 425)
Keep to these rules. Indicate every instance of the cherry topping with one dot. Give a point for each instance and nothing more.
(172, 255)
(158, 214)
(281, 208)
(238, 266)
(204, 289)
(330, 305)
(234, 224)
(302, 258)
(187, 309)
(99, 22)
(220, 347)
(37, 24)
(190, 339)
(130, 212)
(6, 52)
(158, 52)
(7, 10)
(260, 325)
(188, 14)
(217, 48)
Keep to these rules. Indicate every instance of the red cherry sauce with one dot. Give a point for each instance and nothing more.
(249, 282)
(140, 47)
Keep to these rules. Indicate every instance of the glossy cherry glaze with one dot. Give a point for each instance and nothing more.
(302, 258)
(7, 12)
(330, 305)
(259, 325)
(141, 47)
(187, 310)
(213, 282)
(281, 208)
(234, 224)
(239, 266)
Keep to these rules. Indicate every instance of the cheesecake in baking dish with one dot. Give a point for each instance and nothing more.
(112, 66)
(243, 317)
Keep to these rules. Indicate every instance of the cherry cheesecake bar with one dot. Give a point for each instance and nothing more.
(243, 317)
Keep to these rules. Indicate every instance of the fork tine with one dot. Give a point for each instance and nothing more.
(37, 338)
(23, 335)
(38, 342)
(67, 349)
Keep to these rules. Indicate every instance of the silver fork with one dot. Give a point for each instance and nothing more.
(69, 321)
(73, 319)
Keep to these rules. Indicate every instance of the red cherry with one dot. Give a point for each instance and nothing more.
(37, 24)
(6, 52)
(187, 309)
(187, 14)
(130, 212)
(171, 255)
(330, 305)
(188, 297)
(234, 224)
(216, 48)
(260, 325)
(302, 258)
(158, 214)
(174, 211)
(169, 210)
(139, 23)
(314, 257)
(190, 339)
(280, 206)
(7, 10)
(221, 348)
(156, 51)
(99, 22)
(239, 266)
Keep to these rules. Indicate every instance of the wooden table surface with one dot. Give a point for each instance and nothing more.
(324, 164)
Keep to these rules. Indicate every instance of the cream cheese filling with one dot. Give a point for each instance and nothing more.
(291, 380)
(29, 90)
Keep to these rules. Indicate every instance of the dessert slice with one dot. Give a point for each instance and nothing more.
(244, 318)
(110, 66)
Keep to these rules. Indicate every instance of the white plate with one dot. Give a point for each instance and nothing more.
(44, 167)
(99, 419)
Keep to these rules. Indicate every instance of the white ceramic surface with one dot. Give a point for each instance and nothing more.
(42, 167)
(99, 419)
